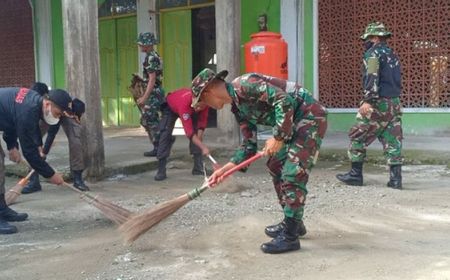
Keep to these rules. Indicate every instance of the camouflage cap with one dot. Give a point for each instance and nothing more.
(375, 29)
(146, 39)
(200, 82)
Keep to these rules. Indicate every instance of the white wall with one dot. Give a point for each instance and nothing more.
(43, 42)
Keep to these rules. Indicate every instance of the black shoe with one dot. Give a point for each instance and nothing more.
(354, 177)
(33, 185)
(151, 153)
(395, 174)
(6, 228)
(286, 241)
(9, 215)
(275, 230)
(78, 181)
(161, 174)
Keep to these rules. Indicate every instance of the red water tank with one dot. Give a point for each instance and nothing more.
(266, 53)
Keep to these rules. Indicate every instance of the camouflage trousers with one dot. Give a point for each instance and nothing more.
(151, 114)
(384, 123)
(290, 167)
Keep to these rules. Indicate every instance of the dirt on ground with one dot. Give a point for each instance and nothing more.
(369, 232)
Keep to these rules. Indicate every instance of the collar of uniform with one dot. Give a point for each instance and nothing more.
(232, 93)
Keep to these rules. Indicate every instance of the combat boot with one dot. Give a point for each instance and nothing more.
(9, 215)
(286, 241)
(161, 174)
(198, 165)
(274, 230)
(6, 228)
(153, 152)
(78, 181)
(354, 177)
(395, 174)
(34, 185)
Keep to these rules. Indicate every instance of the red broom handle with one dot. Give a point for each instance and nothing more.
(25, 180)
(241, 165)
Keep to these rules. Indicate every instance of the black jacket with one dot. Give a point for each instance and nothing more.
(20, 112)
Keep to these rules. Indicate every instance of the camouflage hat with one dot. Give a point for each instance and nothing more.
(200, 82)
(146, 39)
(375, 29)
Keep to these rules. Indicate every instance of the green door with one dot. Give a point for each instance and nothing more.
(176, 49)
(118, 59)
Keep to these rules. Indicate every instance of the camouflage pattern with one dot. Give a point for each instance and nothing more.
(384, 123)
(375, 29)
(297, 119)
(381, 66)
(200, 82)
(146, 39)
(151, 112)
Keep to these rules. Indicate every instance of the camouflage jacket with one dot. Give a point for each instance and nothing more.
(381, 73)
(265, 100)
(153, 64)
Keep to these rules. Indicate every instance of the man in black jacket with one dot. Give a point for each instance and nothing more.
(72, 129)
(20, 112)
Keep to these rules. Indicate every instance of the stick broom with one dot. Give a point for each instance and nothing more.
(141, 223)
(112, 211)
(12, 195)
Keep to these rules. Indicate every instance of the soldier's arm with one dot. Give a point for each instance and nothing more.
(371, 78)
(249, 143)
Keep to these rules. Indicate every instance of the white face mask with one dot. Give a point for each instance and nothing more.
(49, 118)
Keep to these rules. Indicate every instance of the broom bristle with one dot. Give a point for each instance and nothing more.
(12, 195)
(110, 210)
(140, 223)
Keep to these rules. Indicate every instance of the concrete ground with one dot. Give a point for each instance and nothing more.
(369, 232)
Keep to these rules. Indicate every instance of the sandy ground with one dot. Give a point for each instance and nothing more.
(369, 232)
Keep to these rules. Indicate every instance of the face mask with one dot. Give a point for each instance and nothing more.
(49, 118)
(368, 44)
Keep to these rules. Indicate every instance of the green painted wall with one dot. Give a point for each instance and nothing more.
(250, 10)
(413, 123)
(59, 76)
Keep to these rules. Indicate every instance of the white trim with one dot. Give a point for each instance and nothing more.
(316, 93)
(404, 110)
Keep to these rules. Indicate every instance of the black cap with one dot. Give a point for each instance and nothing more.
(78, 107)
(40, 88)
(61, 98)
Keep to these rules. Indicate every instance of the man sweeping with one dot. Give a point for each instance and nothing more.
(299, 123)
(194, 120)
(72, 128)
(20, 112)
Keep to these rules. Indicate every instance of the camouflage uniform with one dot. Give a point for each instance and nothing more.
(150, 116)
(297, 119)
(382, 87)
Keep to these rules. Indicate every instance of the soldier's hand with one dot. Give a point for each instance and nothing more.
(272, 146)
(205, 151)
(14, 155)
(365, 109)
(216, 177)
(57, 179)
(141, 101)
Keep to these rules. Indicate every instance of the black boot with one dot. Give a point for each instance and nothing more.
(78, 181)
(395, 174)
(198, 165)
(9, 215)
(34, 185)
(274, 230)
(354, 177)
(153, 152)
(6, 228)
(286, 241)
(161, 174)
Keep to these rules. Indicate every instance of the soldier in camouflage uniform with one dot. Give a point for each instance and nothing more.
(153, 96)
(380, 113)
(299, 124)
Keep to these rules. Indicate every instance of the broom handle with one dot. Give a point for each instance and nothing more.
(197, 191)
(27, 178)
(243, 164)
